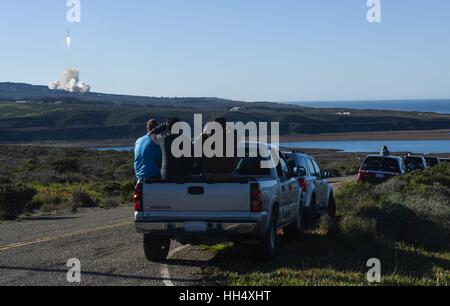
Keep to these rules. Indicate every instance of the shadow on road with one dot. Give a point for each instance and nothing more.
(98, 274)
(48, 218)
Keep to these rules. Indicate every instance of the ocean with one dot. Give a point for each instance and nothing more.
(435, 106)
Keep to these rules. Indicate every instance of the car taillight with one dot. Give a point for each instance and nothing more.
(137, 197)
(256, 198)
(361, 176)
(303, 184)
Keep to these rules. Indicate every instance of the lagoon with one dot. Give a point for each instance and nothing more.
(396, 146)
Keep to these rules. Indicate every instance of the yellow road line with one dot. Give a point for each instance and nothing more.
(66, 235)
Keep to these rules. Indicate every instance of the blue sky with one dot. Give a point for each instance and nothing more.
(285, 50)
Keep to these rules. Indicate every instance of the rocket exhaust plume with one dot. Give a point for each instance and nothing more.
(68, 39)
(70, 81)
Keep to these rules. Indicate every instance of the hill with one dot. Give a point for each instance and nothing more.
(34, 113)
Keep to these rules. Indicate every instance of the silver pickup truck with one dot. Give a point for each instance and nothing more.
(250, 208)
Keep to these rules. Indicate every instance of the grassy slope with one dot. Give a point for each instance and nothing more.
(404, 223)
(82, 120)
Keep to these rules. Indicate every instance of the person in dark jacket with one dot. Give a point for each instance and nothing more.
(220, 168)
(172, 168)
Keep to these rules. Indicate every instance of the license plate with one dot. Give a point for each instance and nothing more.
(380, 176)
(196, 227)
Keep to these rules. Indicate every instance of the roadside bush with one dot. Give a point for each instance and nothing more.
(13, 199)
(358, 230)
(109, 202)
(47, 201)
(414, 209)
(351, 195)
(66, 165)
(80, 198)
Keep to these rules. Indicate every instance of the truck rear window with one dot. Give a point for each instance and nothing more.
(252, 167)
(381, 164)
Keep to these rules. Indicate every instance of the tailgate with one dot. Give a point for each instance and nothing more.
(197, 197)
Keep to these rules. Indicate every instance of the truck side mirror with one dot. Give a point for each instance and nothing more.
(300, 171)
(327, 174)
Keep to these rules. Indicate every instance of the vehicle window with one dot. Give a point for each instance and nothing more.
(311, 168)
(316, 166)
(301, 162)
(432, 162)
(284, 168)
(414, 163)
(382, 164)
(251, 166)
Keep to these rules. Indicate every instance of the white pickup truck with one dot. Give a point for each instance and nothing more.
(251, 208)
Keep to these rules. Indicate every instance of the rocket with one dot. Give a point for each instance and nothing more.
(68, 39)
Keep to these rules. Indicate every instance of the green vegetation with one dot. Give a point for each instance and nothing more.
(51, 179)
(405, 223)
(100, 117)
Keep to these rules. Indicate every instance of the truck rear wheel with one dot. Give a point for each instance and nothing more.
(332, 207)
(296, 227)
(310, 214)
(156, 248)
(268, 248)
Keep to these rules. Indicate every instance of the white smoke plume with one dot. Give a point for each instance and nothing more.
(70, 81)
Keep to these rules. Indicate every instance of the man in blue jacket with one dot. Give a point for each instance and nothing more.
(147, 155)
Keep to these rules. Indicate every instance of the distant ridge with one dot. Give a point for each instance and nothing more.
(21, 91)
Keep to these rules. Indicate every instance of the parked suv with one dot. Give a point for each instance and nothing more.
(432, 161)
(378, 169)
(317, 193)
(414, 163)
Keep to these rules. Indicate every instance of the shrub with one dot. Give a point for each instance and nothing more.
(66, 165)
(47, 201)
(414, 209)
(109, 202)
(13, 199)
(80, 198)
(359, 230)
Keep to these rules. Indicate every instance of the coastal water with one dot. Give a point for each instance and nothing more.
(413, 146)
(425, 147)
(435, 106)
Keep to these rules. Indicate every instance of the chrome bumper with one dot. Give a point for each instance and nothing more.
(179, 228)
(145, 225)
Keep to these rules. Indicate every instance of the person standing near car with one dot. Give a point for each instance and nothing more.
(147, 155)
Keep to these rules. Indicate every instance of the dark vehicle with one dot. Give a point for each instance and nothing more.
(415, 163)
(432, 161)
(379, 169)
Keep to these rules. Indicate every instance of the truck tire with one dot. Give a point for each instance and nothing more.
(332, 207)
(310, 214)
(268, 247)
(297, 227)
(156, 248)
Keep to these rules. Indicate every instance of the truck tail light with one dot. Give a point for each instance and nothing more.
(303, 184)
(256, 198)
(137, 198)
(361, 175)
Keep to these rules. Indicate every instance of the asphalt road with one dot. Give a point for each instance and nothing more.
(36, 251)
